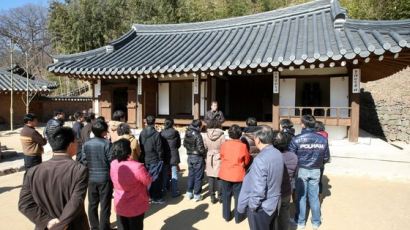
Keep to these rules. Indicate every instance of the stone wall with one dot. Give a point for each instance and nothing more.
(385, 107)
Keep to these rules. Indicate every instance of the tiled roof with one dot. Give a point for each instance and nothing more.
(20, 83)
(318, 31)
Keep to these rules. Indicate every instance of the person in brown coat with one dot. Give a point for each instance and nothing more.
(53, 193)
(31, 141)
(213, 139)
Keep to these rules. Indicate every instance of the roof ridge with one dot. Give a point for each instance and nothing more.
(276, 14)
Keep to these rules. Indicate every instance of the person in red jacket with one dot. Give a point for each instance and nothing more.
(235, 159)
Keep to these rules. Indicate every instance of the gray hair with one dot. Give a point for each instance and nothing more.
(264, 134)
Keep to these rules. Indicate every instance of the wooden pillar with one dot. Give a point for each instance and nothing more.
(132, 106)
(355, 105)
(106, 103)
(93, 96)
(275, 102)
(208, 92)
(140, 112)
(197, 97)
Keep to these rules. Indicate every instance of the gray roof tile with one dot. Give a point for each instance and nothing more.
(317, 31)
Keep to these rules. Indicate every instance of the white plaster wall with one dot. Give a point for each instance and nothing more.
(163, 98)
(287, 95)
(339, 95)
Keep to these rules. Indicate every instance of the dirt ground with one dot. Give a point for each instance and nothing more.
(350, 203)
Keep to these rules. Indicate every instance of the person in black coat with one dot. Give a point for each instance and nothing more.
(152, 155)
(56, 122)
(196, 151)
(171, 144)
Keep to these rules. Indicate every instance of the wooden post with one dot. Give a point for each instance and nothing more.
(275, 102)
(140, 116)
(197, 97)
(355, 105)
(209, 92)
(131, 107)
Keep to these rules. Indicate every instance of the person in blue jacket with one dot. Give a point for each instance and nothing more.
(312, 150)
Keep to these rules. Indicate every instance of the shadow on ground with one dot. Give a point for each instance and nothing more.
(6, 189)
(188, 217)
(326, 192)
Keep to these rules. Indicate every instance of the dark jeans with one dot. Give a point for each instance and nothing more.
(214, 185)
(260, 220)
(284, 215)
(99, 193)
(166, 169)
(130, 223)
(31, 161)
(196, 167)
(229, 189)
(155, 171)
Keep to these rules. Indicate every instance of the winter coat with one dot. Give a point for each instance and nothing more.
(193, 142)
(217, 115)
(249, 139)
(235, 158)
(51, 127)
(311, 148)
(151, 146)
(171, 144)
(213, 139)
(291, 163)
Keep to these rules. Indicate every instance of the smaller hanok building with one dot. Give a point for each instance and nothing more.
(304, 59)
(14, 82)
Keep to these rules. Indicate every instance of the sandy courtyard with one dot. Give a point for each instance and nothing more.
(350, 203)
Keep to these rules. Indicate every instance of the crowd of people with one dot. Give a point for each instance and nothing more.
(265, 171)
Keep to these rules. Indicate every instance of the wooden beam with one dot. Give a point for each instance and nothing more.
(275, 102)
(197, 98)
(209, 92)
(140, 117)
(355, 112)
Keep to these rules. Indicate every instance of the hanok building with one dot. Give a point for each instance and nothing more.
(36, 88)
(304, 59)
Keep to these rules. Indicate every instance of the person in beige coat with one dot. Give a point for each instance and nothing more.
(118, 117)
(213, 139)
(124, 131)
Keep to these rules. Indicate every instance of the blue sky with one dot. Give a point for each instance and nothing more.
(7, 4)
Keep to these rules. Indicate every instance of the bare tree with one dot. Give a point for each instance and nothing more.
(27, 27)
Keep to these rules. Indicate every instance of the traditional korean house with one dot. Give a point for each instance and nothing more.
(37, 88)
(304, 59)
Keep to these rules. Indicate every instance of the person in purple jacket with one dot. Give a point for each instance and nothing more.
(281, 141)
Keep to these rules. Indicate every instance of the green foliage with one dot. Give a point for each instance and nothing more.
(80, 25)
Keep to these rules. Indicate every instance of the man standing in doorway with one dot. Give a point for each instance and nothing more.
(312, 150)
(214, 114)
(32, 142)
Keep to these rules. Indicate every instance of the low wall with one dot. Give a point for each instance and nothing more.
(42, 107)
